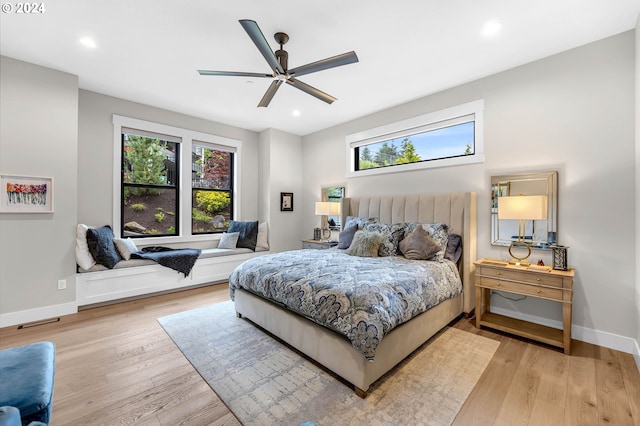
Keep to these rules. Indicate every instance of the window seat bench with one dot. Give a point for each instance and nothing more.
(137, 277)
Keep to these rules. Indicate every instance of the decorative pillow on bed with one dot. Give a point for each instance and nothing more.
(454, 248)
(229, 240)
(101, 246)
(365, 244)
(125, 247)
(419, 245)
(438, 231)
(346, 237)
(392, 236)
(360, 222)
(248, 233)
(262, 242)
(83, 255)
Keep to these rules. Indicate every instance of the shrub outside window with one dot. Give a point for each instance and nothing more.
(212, 189)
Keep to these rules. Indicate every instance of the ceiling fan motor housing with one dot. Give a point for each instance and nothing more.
(281, 54)
(283, 59)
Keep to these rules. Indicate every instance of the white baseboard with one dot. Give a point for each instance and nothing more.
(37, 314)
(596, 337)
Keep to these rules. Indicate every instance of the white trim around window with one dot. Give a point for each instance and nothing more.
(471, 111)
(187, 138)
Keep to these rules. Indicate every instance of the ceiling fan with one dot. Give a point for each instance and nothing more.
(279, 64)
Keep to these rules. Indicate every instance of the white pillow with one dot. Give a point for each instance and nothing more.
(263, 237)
(83, 256)
(229, 240)
(125, 247)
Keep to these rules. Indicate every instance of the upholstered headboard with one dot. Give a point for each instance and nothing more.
(456, 209)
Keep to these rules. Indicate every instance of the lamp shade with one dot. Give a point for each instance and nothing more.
(325, 208)
(523, 207)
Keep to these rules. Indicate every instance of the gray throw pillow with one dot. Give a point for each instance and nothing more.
(346, 237)
(365, 244)
(229, 240)
(454, 248)
(248, 233)
(419, 245)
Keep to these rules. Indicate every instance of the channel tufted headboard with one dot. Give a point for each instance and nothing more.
(456, 209)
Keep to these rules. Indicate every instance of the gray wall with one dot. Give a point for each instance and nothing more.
(572, 112)
(38, 137)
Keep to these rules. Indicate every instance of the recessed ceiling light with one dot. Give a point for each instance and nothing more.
(296, 113)
(491, 28)
(87, 42)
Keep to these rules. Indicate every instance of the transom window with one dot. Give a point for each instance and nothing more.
(172, 183)
(448, 137)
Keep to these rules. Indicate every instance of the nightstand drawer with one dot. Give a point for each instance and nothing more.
(520, 288)
(526, 277)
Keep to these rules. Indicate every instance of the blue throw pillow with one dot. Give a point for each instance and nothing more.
(248, 231)
(346, 237)
(101, 246)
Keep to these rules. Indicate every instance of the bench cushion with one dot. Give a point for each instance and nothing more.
(27, 380)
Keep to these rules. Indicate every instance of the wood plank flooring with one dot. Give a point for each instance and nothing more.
(115, 365)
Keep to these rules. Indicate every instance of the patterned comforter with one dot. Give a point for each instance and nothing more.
(363, 298)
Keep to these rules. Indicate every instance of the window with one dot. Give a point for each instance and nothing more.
(448, 137)
(211, 187)
(172, 183)
(150, 176)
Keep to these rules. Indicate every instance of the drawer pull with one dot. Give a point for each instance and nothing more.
(538, 279)
(498, 273)
(539, 291)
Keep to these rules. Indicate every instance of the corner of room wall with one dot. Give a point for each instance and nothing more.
(281, 171)
(637, 118)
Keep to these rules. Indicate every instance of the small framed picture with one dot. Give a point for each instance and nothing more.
(286, 201)
(24, 194)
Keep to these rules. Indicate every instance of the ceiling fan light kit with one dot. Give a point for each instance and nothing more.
(279, 63)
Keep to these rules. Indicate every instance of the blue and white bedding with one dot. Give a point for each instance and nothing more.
(362, 298)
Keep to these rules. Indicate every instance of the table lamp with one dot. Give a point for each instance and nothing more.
(522, 208)
(326, 209)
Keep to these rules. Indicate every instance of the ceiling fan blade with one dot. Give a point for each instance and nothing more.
(271, 91)
(234, 74)
(335, 61)
(261, 43)
(311, 90)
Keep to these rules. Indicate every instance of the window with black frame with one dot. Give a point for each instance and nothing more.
(150, 184)
(212, 188)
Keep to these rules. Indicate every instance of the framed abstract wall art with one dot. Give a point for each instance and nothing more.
(26, 194)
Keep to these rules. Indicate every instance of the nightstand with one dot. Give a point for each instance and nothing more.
(318, 244)
(532, 281)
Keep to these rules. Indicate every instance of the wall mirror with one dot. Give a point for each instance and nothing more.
(333, 194)
(539, 233)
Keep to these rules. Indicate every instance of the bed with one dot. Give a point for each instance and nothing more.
(362, 365)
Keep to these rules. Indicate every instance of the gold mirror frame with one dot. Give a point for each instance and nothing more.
(543, 233)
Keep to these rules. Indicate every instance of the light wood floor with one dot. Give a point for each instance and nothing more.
(115, 366)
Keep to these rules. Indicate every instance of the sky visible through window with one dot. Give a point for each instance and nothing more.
(446, 142)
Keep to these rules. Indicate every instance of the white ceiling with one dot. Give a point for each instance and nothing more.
(149, 50)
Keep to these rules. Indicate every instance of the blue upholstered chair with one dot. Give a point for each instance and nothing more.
(26, 383)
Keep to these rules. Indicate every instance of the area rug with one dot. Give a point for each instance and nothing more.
(265, 382)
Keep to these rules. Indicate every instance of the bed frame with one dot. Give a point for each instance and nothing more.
(334, 351)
